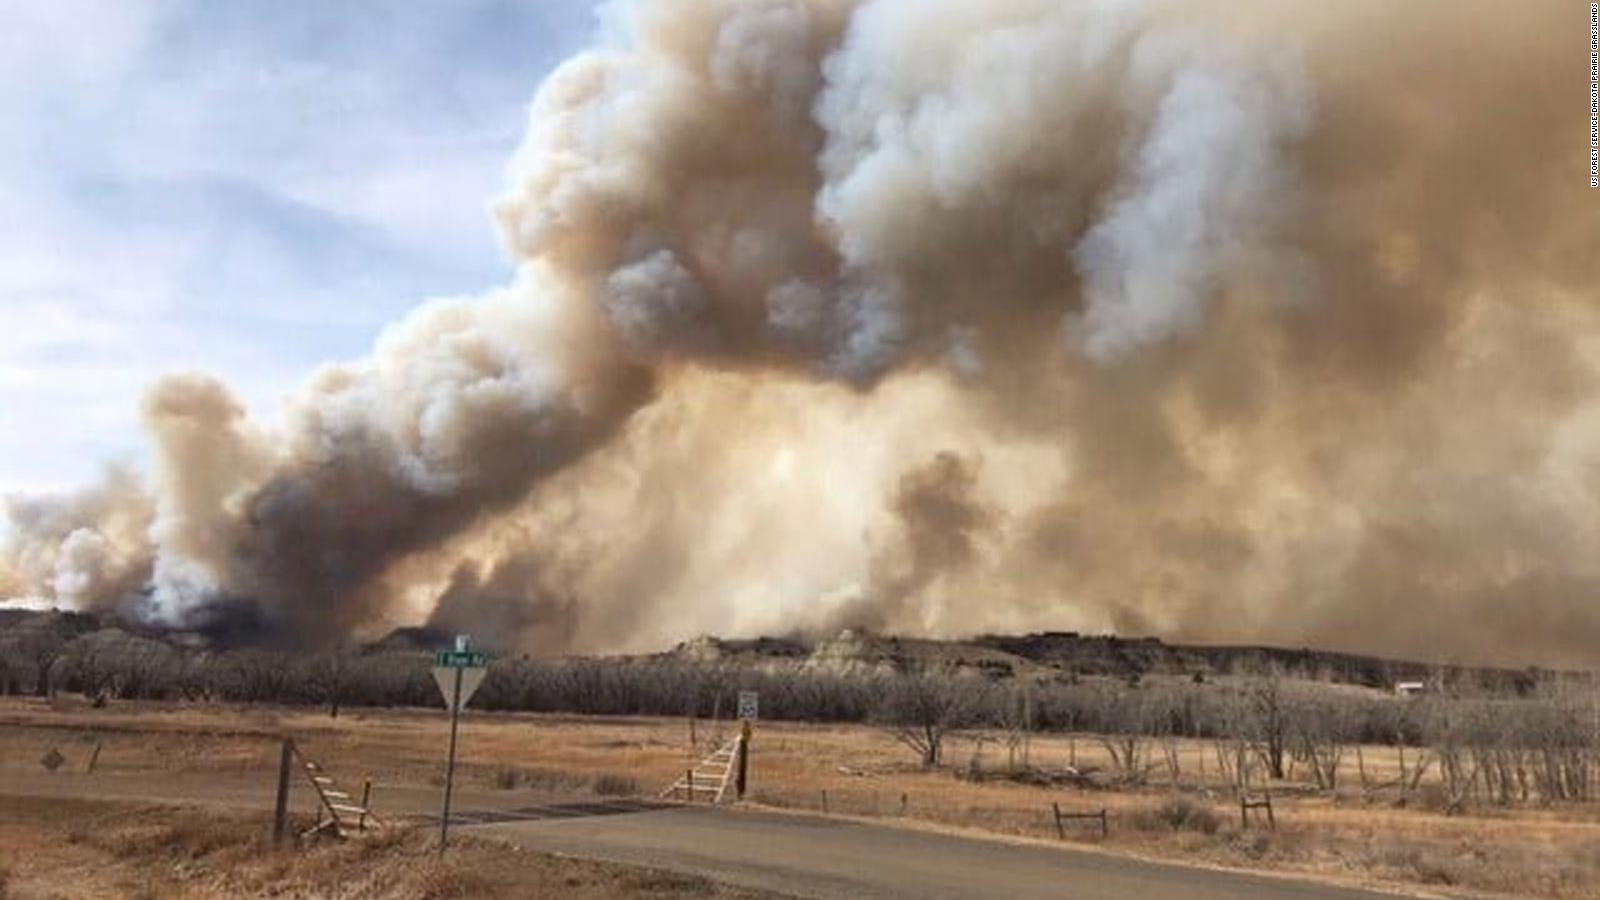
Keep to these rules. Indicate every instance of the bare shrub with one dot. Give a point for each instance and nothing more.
(1179, 813)
(612, 785)
(439, 881)
(186, 834)
(546, 780)
(609, 784)
(1252, 844)
(1416, 863)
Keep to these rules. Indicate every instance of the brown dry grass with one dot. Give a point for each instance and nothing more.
(92, 850)
(1522, 852)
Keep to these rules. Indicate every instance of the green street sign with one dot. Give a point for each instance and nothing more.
(461, 659)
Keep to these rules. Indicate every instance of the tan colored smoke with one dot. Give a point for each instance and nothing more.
(1242, 321)
(87, 548)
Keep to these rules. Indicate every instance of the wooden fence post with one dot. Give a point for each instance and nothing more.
(1061, 831)
(744, 757)
(280, 811)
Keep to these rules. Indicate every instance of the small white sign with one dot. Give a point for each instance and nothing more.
(749, 705)
(446, 678)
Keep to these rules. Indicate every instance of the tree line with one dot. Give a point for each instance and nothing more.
(1469, 744)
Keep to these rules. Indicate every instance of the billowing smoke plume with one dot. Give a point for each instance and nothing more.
(1242, 321)
(83, 549)
(942, 527)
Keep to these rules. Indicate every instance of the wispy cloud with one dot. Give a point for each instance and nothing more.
(244, 188)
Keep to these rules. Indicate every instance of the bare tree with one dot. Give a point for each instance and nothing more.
(322, 679)
(1268, 725)
(1125, 724)
(1170, 717)
(256, 676)
(1407, 722)
(84, 667)
(1233, 721)
(920, 708)
(1319, 726)
(1014, 717)
(1452, 728)
(41, 648)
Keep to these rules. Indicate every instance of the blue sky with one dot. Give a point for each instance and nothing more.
(245, 188)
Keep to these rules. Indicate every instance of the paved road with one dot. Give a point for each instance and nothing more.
(810, 856)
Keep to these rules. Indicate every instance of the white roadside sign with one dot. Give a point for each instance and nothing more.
(445, 676)
(749, 705)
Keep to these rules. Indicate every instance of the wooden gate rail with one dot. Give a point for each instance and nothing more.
(1263, 802)
(1062, 817)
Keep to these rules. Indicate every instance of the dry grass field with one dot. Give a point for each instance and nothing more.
(86, 850)
(852, 770)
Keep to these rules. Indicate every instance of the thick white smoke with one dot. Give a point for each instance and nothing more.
(939, 315)
(1207, 191)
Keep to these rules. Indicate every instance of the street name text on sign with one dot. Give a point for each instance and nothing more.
(461, 659)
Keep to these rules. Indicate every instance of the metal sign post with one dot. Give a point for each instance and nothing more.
(749, 709)
(458, 673)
